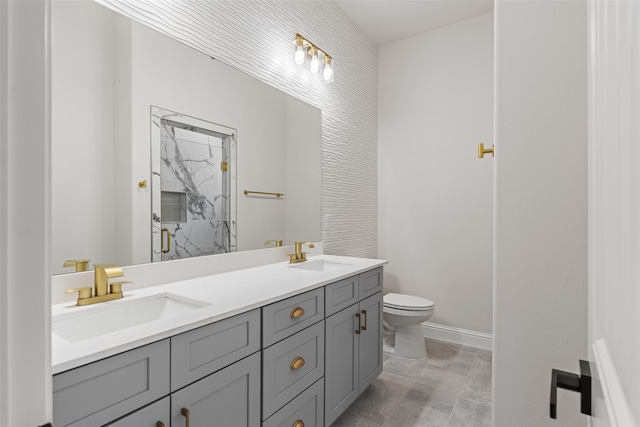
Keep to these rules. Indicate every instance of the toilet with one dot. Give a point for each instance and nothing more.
(403, 315)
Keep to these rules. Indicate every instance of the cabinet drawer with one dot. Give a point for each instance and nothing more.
(285, 318)
(281, 381)
(205, 350)
(148, 416)
(340, 295)
(308, 407)
(103, 391)
(370, 282)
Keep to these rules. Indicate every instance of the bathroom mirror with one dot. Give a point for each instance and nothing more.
(109, 75)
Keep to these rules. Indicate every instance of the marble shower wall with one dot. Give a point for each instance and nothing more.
(230, 31)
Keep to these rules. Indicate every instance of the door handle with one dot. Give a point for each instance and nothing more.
(165, 230)
(580, 383)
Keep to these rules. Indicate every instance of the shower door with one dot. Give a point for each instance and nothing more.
(194, 216)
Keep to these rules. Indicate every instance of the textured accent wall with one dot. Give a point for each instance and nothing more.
(256, 37)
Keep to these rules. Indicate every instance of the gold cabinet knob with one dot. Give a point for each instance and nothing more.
(142, 184)
(297, 363)
(298, 423)
(297, 312)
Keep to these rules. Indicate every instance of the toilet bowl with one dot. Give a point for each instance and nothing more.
(403, 316)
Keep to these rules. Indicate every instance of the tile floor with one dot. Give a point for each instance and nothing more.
(451, 387)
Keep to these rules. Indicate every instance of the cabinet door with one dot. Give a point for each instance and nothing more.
(341, 370)
(155, 415)
(228, 398)
(370, 360)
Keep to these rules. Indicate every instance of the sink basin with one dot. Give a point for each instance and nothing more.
(116, 316)
(321, 266)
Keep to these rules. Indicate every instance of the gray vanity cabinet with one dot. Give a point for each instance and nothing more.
(157, 414)
(228, 398)
(353, 343)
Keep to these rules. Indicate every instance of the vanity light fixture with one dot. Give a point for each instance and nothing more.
(317, 59)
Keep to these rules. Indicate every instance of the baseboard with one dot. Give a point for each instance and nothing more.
(457, 335)
(620, 414)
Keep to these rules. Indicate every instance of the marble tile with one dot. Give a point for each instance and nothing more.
(470, 412)
(379, 400)
(350, 420)
(413, 412)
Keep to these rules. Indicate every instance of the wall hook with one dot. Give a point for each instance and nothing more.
(482, 151)
(580, 383)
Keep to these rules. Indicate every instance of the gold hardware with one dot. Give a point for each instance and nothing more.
(298, 423)
(79, 264)
(102, 274)
(165, 230)
(364, 313)
(482, 151)
(142, 184)
(297, 363)
(297, 312)
(224, 166)
(185, 413)
(247, 192)
(83, 293)
(277, 242)
(159, 424)
(299, 256)
(358, 330)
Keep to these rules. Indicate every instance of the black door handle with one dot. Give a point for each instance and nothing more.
(580, 383)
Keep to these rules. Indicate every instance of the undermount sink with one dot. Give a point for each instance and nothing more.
(321, 266)
(104, 319)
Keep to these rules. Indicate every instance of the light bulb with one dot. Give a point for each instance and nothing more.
(327, 74)
(300, 53)
(314, 66)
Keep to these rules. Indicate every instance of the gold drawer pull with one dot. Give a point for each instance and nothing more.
(297, 363)
(185, 413)
(298, 423)
(359, 323)
(296, 312)
(364, 313)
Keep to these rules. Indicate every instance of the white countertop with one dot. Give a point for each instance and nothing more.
(227, 294)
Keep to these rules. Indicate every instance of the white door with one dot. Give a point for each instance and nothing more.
(614, 212)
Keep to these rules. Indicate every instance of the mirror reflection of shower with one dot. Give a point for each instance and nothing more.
(194, 169)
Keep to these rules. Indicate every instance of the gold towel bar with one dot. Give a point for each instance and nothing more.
(247, 192)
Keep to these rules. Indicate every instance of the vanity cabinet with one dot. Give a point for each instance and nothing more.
(298, 362)
(353, 342)
(230, 397)
(157, 414)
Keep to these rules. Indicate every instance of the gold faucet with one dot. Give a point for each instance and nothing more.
(79, 264)
(277, 242)
(299, 256)
(102, 274)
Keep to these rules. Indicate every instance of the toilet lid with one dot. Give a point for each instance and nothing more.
(407, 302)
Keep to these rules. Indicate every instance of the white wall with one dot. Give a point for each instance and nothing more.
(435, 93)
(540, 307)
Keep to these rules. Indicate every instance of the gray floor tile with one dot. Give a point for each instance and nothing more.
(479, 381)
(485, 355)
(432, 346)
(412, 412)
(403, 367)
(470, 412)
(350, 420)
(454, 357)
(437, 388)
(379, 400)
